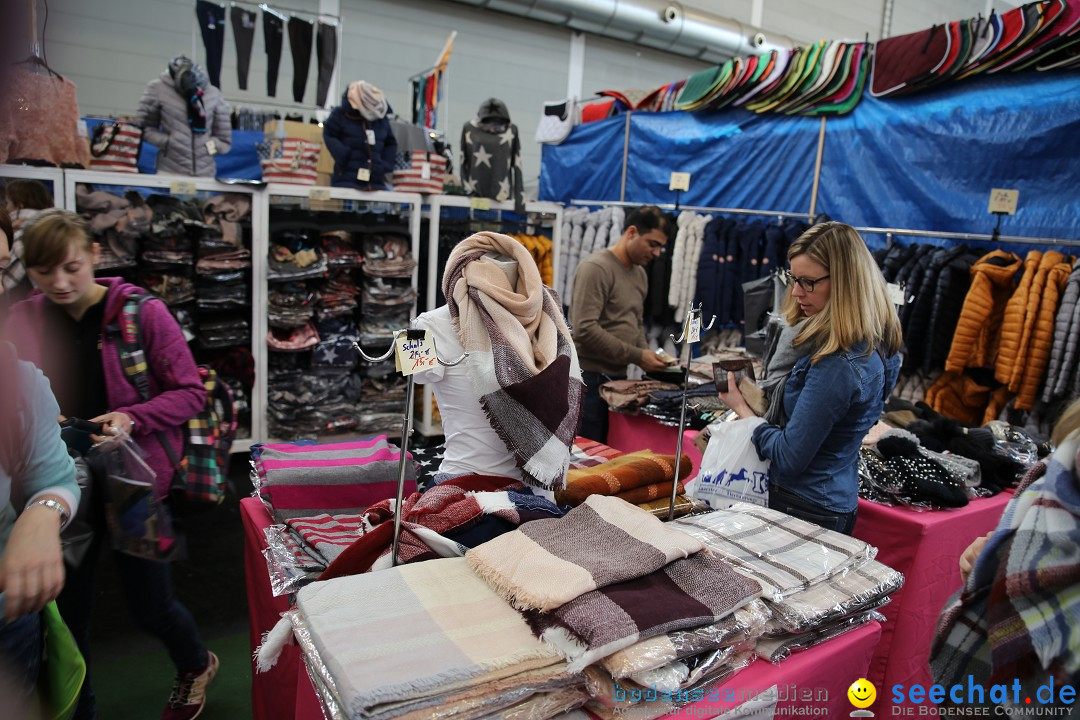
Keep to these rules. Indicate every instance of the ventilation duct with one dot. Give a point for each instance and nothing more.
(666, 26)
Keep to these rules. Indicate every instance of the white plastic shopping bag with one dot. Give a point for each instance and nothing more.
(731, 470)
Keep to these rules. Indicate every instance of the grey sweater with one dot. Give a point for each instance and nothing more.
(163, 116)
(606, 313)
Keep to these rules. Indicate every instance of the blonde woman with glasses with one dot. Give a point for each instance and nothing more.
(836, 390)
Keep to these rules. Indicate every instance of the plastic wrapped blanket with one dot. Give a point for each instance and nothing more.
(850, 591)
(782, 553)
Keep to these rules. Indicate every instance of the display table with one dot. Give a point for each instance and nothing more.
(286, 691)
(816, 678)
(630, 433)
(925, 547)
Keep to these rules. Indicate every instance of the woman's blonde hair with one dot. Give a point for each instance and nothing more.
(859, 309)
(1067, 424)
(48, 237)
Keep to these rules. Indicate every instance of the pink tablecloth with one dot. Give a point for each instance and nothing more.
(273, 693)
(629, 433)
(926, 547)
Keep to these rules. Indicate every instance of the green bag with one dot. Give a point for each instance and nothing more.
(62, 666)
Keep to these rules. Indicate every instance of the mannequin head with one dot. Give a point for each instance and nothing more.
(507, 264)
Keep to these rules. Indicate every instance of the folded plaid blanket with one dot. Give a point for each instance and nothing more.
(401, 640)
(336, 478)
(623, 474)
(783, 553)
(589, 453)
(428, 517)
(603, 541)
(849, 591)
(744, 625)
(1018, 616)
(688, 593)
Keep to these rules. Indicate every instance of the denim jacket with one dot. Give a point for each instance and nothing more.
(831, 406)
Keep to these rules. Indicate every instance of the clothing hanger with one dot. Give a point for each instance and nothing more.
(36, 59)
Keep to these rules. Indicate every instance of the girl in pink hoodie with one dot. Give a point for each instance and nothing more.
(68, 327)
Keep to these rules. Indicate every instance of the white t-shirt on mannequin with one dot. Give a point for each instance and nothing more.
(472, 446)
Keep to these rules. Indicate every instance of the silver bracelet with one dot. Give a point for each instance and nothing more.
(53, 505)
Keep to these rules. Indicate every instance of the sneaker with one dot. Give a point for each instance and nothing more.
(189, 692)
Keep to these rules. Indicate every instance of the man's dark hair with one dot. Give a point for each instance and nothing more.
(647, 218)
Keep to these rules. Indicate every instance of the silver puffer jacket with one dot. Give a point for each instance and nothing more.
(163, 115)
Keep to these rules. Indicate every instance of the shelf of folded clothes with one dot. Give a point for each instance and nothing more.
(340, 271)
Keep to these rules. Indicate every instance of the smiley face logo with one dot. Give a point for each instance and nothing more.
(861, 693)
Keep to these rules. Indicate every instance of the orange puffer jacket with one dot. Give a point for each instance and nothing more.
(975, 341)
(1027, 333)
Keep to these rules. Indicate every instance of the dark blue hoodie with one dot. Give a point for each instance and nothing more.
(345, 134)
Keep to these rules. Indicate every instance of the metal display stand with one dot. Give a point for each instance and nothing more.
(691, 333)
(434, 205)
(193, 186)
(44, 174)
(406, 420)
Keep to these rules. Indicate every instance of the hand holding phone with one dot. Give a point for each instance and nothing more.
(77, 433)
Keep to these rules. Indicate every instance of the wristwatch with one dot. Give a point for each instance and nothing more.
(53, 505)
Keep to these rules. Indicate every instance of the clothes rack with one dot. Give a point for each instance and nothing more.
(275, 8)
(984, 237)
(696, 208)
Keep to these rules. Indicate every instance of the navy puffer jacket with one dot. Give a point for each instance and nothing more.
(345, 134)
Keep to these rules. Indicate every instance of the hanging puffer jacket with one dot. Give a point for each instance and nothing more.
(164, 117)
(975, 341)
(1037, 341)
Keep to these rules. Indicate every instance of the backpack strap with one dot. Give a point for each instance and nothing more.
(128, 334)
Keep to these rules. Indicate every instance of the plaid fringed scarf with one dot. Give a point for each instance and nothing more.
(1018, 616)
(521, 357)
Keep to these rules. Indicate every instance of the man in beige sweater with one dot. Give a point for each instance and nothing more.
(606, 314)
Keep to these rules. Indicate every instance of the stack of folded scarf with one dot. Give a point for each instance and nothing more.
(478, 657)
(635, 477)
(335, 478)
(627, 578)
(817, 583)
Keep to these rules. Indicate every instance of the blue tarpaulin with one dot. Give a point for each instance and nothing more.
(926, 162)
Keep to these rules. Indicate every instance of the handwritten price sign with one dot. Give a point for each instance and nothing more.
(414, 353)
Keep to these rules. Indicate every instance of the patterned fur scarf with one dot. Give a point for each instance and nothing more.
(1019, 614)
(521, 358)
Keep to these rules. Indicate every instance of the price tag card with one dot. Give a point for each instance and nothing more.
(182, 187)
(1003, 201)
(363, 175)
(321, 194)
(478, 203)
(693, 330)
(425, 171)
(679, 181)
(414, 351)
(896, 294)
(211, 147)
(370, 137)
